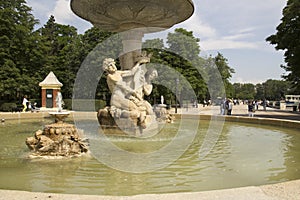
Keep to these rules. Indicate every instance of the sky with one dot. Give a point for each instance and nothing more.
(235, 28)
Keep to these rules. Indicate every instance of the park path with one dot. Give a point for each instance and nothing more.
(242, 110)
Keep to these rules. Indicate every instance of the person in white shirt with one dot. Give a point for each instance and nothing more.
(24, 103)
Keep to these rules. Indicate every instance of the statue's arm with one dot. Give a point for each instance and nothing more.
(147, 89)
(127, 73)
(135, 68)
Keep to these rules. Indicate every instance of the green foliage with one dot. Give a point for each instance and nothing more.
(270, 90)
(8, 107)
(16, 28)
(188, 63)
(218, 77)
(28, 55)
(287, 39)
(56, 44)
(180, 61)
(244, 91)
(275, 89)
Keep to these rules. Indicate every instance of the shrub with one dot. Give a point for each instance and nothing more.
(8, 107)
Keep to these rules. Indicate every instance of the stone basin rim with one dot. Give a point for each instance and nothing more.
(103, 14)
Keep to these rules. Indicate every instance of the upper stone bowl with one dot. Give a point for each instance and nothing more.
(123, 15)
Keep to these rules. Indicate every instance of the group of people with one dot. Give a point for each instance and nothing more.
(226, 107)
(227, 104)
(128, 88)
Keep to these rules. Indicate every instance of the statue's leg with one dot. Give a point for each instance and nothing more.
(142, 118)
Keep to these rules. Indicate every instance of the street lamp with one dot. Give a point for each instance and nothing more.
(176, 87)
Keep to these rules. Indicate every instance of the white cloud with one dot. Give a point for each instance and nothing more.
(199, 27)
(62, 12)
(40, 9)
(233, 24)
(223, 43)
(38, 6)
(238, 36)
(247, 80)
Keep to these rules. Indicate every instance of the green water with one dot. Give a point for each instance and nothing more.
(244, 155)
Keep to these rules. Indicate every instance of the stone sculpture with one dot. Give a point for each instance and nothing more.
(57, 139)
(132, 19)
(59, 101)
(128, 108)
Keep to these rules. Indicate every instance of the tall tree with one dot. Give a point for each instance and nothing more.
(186, 61)
(287, 39)
(226, 73)
(244, 91)
(16, 26)
(55, 44)
(275, 89)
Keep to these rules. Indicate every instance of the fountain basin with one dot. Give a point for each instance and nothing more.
(123, 15)
(246, 154)
(59, 116)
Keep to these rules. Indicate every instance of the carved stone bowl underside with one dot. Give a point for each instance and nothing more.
(123, 15)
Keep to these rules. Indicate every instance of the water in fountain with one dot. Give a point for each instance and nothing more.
(244, 155)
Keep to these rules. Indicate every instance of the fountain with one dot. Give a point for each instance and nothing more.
(128, 110)
(249, 151)
(59, 139)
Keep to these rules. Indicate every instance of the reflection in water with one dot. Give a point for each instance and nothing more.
(244, 155)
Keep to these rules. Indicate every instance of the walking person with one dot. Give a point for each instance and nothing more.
(222, 108)
(226, 106)
(24, 103)
(250, 109)
(230, 105)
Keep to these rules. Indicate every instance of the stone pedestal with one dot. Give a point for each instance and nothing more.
(132, 45)
(125, 125)
(57, 140)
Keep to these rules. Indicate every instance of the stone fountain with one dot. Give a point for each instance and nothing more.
(59, 139)
(131, 19)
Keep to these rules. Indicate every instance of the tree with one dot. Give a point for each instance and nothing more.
(184, 43)
(57, 46)
(226, 73)
(244, 91)
(275, 89)
(16, 26)
(260, 91)
(186, 60)
(287, 39)
(95, 45)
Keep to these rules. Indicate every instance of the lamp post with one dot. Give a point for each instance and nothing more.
(176, 87)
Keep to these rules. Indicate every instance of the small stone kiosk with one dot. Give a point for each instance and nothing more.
(50, 86)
